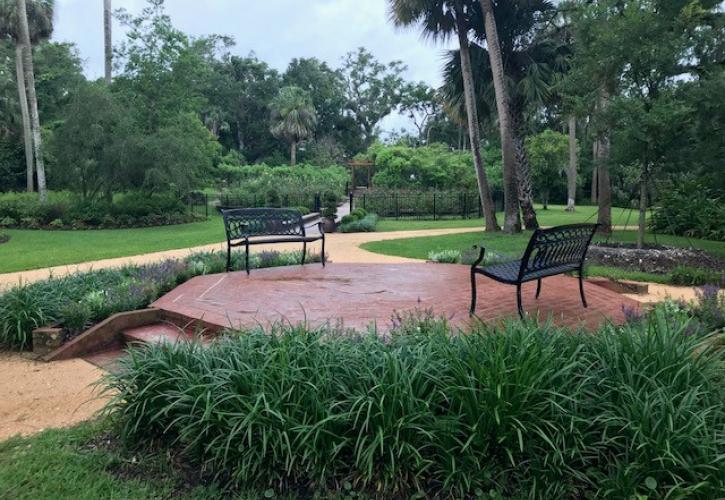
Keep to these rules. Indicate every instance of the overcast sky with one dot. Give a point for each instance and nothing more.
(275, 30)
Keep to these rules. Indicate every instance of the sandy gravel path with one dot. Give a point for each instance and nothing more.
(341, 247)
(36, 395)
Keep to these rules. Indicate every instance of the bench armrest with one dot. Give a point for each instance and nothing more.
(319, 225)
(481, 254)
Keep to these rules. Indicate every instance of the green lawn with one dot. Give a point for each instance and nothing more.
(554, 216)
(32, 249)
(513, 245)
(75, 464)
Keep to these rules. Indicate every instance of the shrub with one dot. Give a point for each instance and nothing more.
(365, 225)
(64, 211)
(695, 276)
(265, 186)
(523, 411)
(689, 208)
(22, 309)
(445, 256)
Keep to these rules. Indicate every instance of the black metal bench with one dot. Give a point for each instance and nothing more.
(256, 226)
(553, 251)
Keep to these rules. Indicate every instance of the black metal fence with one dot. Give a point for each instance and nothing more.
(423, 204)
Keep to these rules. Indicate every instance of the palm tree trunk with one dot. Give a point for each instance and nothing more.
(293, 153)
(512, 223)
(107, 39)
(489, 209)
(32, 98)
(604, 187)
(27, 134)
(571, 171)
(525, 187)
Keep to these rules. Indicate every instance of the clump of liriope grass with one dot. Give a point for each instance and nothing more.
(526, 410)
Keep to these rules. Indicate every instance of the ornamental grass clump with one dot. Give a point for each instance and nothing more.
(522, 411)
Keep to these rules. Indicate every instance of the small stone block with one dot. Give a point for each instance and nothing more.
(46, 340)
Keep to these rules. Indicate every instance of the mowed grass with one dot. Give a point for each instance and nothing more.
(78, 464)
(556, 215)
(514, 245)
(33, 249)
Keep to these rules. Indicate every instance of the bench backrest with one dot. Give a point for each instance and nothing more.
(557, 246)
(243, 223)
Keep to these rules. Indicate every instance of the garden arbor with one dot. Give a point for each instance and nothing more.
(366, 166)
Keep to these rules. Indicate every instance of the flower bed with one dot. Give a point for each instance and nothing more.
(78, 301)
(521, 411)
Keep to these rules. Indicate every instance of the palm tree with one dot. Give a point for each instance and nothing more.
(531, 58)
(438, 19)
(40, 26)
(512, 223)
(107, 40)
(294, 118)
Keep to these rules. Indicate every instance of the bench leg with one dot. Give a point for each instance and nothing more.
(518, 300)
(538, 287)
(229, 257)
(246, 257)
(581, 289)
(304, 252)
(323, 251)
(473, 293)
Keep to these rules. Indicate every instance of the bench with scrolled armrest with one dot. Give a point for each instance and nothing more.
(255, 226)
(552, 251)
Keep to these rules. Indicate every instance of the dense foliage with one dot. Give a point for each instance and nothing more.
(524, 411)
(79, 300)
(65, 211)
(358, 221)
(262, 185)
(430, 167)
(690, 208)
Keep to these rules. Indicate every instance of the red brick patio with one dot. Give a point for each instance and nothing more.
(362, 294)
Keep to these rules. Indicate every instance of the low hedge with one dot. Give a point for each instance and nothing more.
(358, 221)
(78, 301)
(522, 411)
(65, 211)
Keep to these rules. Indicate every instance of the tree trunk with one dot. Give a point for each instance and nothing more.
(27, 134)
(108, 41)
(595, 181)
(642, 208)
(32, 98)
(512, 223)
(571, 171)
(293, 154)
(525, 187)
(489, 209)
(604, 217)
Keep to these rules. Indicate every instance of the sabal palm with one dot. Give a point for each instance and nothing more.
(293, 117)
(530, 59)
(39, 25)
(440, 19)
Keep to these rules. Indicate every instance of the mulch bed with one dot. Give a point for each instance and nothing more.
(657, 259)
